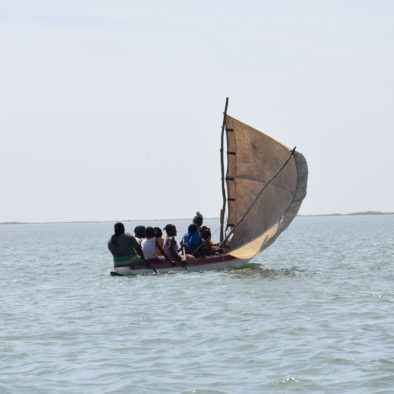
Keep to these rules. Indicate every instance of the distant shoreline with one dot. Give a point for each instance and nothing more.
(352, 214)
(169, 220)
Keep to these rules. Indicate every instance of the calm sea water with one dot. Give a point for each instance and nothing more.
(315, 314)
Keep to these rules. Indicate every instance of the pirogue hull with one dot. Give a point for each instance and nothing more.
(212, 263)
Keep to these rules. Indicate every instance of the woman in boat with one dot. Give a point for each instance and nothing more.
(193, 242)
(207, 244)
(124, 248)
(139, 233)
(159, 240)
(170, 246)
(198, 220)
(148, 244)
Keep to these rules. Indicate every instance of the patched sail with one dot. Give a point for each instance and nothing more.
(266, 183)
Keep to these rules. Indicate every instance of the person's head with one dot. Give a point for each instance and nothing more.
(205, 233)
(198, 219)
(192, 228)
(119, 229)
(150, 232)
(139, 231)
(170, 230)
(158, 232)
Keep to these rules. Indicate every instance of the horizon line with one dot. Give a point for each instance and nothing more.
(362, 213)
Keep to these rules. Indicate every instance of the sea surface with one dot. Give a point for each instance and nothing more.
(314, 313)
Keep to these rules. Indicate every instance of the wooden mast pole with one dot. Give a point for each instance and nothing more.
(223, 210)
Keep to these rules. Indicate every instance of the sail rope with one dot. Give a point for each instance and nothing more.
(257, 197)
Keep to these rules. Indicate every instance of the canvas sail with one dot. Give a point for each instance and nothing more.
(266, 183)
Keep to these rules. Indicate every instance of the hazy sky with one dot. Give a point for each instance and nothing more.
(112, 109)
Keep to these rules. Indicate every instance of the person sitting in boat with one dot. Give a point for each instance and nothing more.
(148, 244)
(207, 244)
(139, 233)
(159, 251)
(124, 248)
(198, 220)
(170, 246)
(159, 240)
(193, 241)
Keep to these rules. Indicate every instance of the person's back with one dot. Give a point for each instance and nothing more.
(124, 245)
(148, 244)
(208, 246)
(170, 246)
(124, 248)
(159, 241)
(193, 241)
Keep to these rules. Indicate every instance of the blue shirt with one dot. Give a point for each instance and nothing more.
(192, 240)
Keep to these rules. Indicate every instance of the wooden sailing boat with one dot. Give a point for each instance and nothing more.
(265, 182)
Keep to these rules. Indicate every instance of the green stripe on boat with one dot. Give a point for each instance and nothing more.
(124, 258)
(131, 259)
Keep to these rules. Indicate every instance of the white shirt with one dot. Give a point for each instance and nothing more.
(149, 247)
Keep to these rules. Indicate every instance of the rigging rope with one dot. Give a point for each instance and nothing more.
(257, 197)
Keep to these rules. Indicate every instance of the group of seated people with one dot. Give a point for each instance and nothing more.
(148, 244)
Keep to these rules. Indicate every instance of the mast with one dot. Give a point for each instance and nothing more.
(223, 210)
